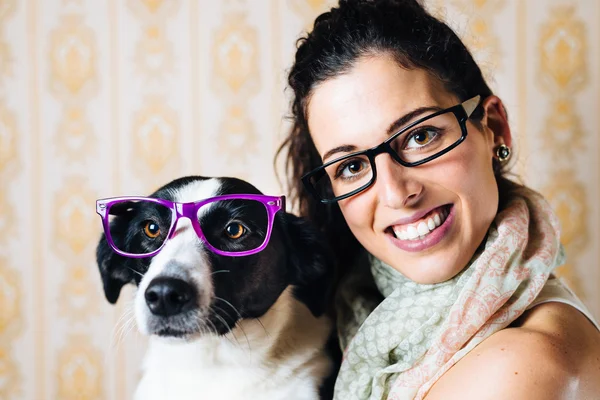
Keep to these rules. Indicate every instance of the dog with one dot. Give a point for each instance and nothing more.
(223, 327)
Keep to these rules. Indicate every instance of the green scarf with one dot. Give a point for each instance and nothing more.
(400, 336)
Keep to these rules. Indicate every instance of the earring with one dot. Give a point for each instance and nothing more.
(503, 153)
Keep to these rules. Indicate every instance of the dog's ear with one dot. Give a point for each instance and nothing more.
(310, 263)
(113, 270)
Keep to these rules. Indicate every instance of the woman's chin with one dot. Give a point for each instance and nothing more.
(429, 271)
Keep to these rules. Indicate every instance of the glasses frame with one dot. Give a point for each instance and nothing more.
(461, 111)
(273, 204)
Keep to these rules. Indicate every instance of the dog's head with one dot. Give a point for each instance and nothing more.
(187, 289)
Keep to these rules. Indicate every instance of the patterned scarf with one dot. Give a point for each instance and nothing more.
(397, 347)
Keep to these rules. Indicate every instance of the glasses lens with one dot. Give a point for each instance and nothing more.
(139, 226)
(428, 138)
(342, 177)
(234, 226)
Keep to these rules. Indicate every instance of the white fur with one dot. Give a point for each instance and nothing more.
(280, 359)
(181, 251)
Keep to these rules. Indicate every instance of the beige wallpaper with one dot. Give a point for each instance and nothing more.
(115, 97)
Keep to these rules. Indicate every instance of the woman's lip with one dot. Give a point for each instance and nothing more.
(417, 216)
(428, 241)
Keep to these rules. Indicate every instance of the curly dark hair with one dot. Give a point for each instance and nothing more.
(402, 29)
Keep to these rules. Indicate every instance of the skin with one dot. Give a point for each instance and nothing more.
(365, 107)
(552, 351)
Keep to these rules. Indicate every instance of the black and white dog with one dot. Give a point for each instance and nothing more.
(251, 327)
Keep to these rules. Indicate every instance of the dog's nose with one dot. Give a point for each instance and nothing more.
(169, 296)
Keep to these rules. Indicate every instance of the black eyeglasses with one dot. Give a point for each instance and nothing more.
(416, 144)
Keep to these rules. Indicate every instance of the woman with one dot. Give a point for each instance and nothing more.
(398, 152)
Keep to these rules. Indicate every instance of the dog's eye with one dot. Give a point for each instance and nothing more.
(235, 230)
(151, 229)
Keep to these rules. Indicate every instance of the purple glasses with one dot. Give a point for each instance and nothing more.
(231, 225)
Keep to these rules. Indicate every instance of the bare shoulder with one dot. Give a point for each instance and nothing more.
(551, 352)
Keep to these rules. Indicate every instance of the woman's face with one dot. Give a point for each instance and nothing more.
(457, 192)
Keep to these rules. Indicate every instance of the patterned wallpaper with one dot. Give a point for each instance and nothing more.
(101, 98)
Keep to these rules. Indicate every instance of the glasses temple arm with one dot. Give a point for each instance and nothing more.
(470, 105)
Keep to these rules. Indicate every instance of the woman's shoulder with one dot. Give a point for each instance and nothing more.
(551, 352)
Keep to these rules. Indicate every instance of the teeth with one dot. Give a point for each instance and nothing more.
(430, 224)
(412, 233)
(422, 229)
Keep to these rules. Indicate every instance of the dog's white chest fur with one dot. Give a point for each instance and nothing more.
(279, 358)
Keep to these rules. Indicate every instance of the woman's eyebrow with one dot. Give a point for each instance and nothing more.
(393, 128)
(403, 120)
(346, 148)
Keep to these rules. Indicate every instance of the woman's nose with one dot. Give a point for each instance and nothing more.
(395, 186)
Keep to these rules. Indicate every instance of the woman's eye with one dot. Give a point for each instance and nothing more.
(355, 167)
(235, 230)
(151, 229)
(421, 138)
(352, 168)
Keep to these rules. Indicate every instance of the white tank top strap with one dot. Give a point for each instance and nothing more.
(556, 290)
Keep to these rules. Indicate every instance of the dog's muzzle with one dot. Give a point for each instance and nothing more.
(167, 297)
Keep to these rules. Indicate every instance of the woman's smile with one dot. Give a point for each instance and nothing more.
(425, 232)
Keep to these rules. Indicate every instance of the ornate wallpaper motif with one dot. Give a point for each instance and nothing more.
(79, 373)
(7, 215)
(10, 304)
(7, 9)
(76, 234)
(10, 329)
(8, 138)
(482, 38)
(106, 98)
(155, 130)
(307, 10)
(235, 53)
(11, 295)
(563, 73)
(73, 83)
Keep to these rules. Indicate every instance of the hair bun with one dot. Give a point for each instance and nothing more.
(412, 3)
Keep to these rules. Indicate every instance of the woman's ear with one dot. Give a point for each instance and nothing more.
(495, 120)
